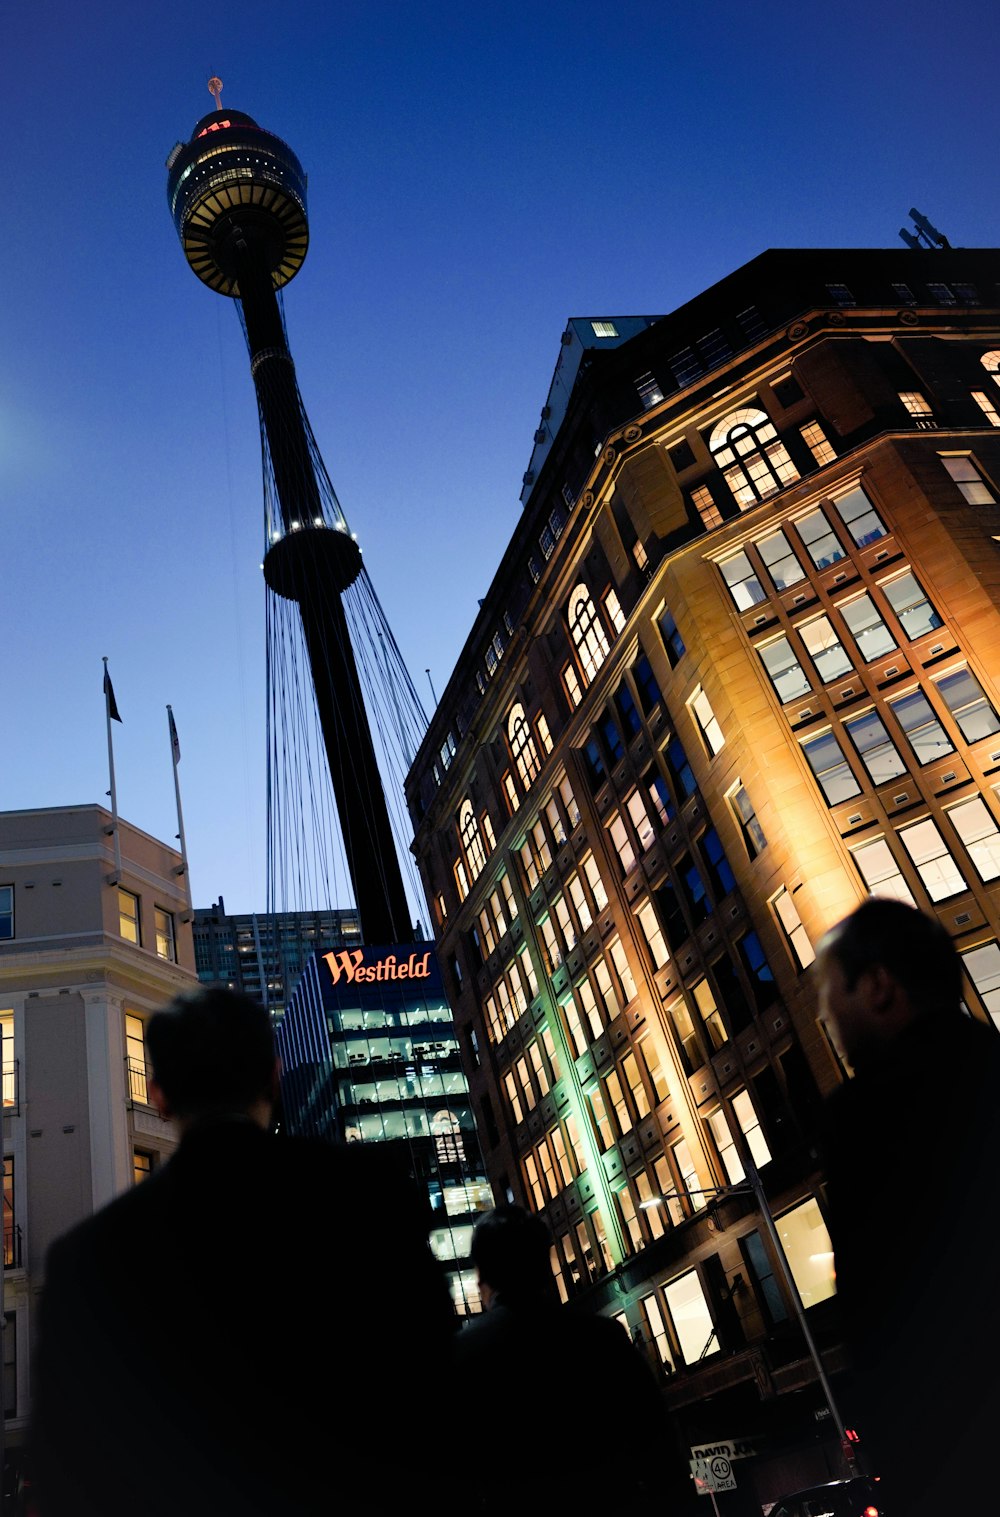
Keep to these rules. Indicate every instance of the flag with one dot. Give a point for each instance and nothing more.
(174, 739)
(110, 694)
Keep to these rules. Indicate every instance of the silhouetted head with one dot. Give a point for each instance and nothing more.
(510, 1250)
(882, 968)
(212, 1052)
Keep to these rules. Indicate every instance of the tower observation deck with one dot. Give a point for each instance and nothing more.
(237, 196)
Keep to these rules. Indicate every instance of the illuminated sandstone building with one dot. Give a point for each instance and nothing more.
(737, 667)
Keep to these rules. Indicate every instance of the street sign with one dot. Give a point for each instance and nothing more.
(711, 1475)
(728, 1448)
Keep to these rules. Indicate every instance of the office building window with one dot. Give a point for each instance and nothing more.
(7, 1064)
(758, 970)
(974, 823)
(472, 842)
(741, 578)
(622, 843)
(841, 294)
(982, 965)
(780, 560)
(128, 916)
(716, 863)
(142, 1165)
(542, 728)
(792, 926)
(636, 808)
(964, 696)
(701, 499)
(692, 1320)
(672, 640)
(6, 912)
(572, 683)
(725, 1143)
(832, 771)
(746, 819)
(939, 872)
(783, 669)
(593, 877)
(753, 459)
(807, 1247)
(163, 922)
(653, 933)
(869, 631)
(875, 747)
(628, 711)
(824, 648)
(911, 605)
(612, 605)
(880, 872)
(659, 793)
(135, 1058)
(711, 733)
(924, 732)
(587, 632)
(710, 1014)
(680, 769)
(645, 683)
(648, 390)
(918, 406)
(604, 329)
(968, 479)
(687, 1038)
(819, 539)
(522, 746)
(817, 442)
(987, 405)
(859, 516)
(746, 1116)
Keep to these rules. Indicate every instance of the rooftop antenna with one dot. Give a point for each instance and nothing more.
(926, 235)
(215, 89)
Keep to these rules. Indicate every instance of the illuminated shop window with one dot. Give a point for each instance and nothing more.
(935, 865)
(968, 479)
(880, 872)
(587, 632)
(753, 459)
(964, 696)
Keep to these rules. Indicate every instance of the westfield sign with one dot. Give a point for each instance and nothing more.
(349, 965)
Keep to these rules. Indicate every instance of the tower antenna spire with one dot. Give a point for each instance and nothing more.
(215, 89)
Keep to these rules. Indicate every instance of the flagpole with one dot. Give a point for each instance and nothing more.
(111, 767)
(175, 753)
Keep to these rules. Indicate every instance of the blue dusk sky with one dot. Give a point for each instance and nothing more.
(477, 175)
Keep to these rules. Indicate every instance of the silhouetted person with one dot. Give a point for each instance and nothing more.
(910, 1153)
(258, 1329)
(558, 1407)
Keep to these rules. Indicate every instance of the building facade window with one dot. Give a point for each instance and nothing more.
(833, 773)
(587, 632)
(705, 720)
(522, 746)
(966, 700)
(129, 925)
(691, 1317)
(780, 560)
(135, 1058)
(672, 640)
(878, 868)
(817, 442)
(860, 517)
(753, 459)
(982, 965)
(746, 819)
(919, 407)
(704, 504)
(875, 747)
(807, 1247)
(968, 479)
(742, 581)
(987, 404)
(924, 733)
(935, 865)
(824, 648)
(163, 925)
(870, 633)
(819, 539)
(6, 912)
(974, 823)
(471, 839)
(783, 669)
(793, 928)
(913, 609)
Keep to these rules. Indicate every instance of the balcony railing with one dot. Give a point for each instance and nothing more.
(11, 1089)
(138, 1089)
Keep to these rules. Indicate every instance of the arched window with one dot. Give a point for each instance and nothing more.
(991, 363)
(587, 632)
(752, 456)
(472, 839)
(522, 746)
